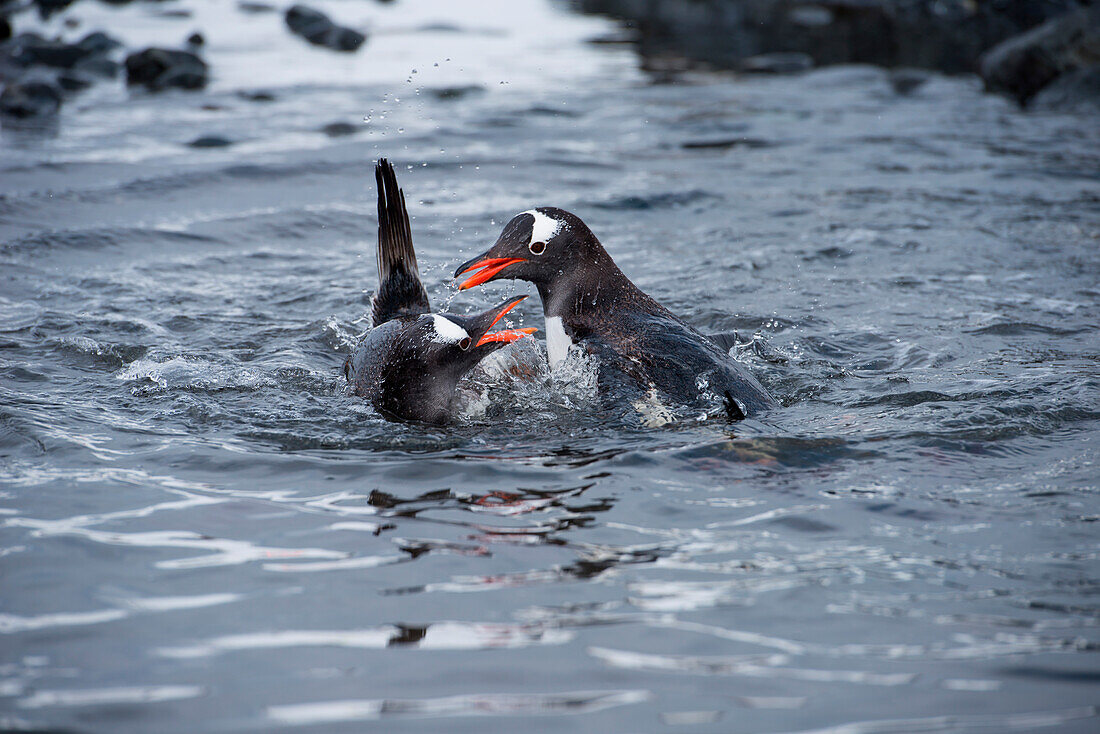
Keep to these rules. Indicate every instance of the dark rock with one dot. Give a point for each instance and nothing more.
(30, 49)
(98, 42)
(33, 98)
(907, 81)
(195, 39)
(159, 68)
(46, 8)
(210, 141)
(5, 29)
(1079, 90)
(777, 63)
(345, 39)
(250, 7)
(307, 22)
(339, 129)
(1024, 65)
(948, 35)
(315, 27)
(73, 81)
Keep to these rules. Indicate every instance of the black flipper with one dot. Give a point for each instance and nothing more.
(727, 340)
(733, 409)
(400, 292)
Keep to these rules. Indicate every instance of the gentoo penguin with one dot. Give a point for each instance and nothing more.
(409, 364)
(588, 302)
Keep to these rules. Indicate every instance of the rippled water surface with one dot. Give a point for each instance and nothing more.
(201, 531)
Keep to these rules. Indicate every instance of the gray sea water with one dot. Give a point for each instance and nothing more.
(200, 530)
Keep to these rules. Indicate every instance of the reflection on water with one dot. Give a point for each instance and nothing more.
(199, 528)
(527, 704)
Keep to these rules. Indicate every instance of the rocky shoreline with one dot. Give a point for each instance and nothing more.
(1020, 47)
(39, 74)
(1045, 54)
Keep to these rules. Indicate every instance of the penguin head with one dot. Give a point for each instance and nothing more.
(452, 343)
(537, 245)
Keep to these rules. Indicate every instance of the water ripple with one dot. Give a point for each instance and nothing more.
(752, 666)
(435, 636)
(483, 704)
(962, 724)
(109, 696)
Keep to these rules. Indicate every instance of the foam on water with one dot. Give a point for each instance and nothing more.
(192, 373)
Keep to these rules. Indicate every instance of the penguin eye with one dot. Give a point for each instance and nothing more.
(464, 344)
(537, 248)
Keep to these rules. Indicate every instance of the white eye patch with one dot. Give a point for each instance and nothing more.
(447, 331)
(544, 227)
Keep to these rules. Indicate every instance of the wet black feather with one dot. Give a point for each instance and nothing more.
(400, 292)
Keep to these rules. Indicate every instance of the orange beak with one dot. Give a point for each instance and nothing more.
(508, 335)
(489, 267)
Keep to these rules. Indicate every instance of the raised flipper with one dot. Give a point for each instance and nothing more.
(734, 412)
(400, 292)
(727, 340)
